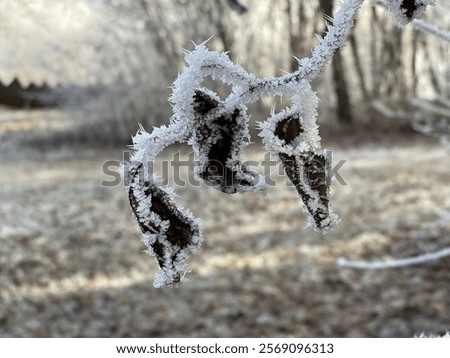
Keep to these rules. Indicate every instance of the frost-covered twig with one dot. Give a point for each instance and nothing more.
(333, 40)
(405, 11)
(218, 132)
(409, 261)
(418, 23)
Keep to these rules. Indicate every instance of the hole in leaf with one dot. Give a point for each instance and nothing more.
(288, 129)
(410, 7)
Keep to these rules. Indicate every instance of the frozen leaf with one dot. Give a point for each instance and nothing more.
(219, 139)
(404, 11)
(310, 174)
(170, 233)
(218, 131)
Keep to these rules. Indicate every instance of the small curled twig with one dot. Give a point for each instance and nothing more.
(218, 132)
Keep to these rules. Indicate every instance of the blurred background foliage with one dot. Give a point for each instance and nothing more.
(75, 74)
(112, 62)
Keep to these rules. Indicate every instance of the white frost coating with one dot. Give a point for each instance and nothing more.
(147, 146)
(304, 109)
(155, 229)
(399, 9)
(333, 40)
(246, 86)
(218, 130)
(227, 134)
(330, 223)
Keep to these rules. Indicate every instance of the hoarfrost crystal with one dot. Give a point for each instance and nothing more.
(217, 129)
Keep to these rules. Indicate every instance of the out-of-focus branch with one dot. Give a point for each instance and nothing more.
(430, 107)
(381, 265)
(431, 29)
(421, 24)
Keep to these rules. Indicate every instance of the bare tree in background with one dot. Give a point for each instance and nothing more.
(344, 112)
(137, 47)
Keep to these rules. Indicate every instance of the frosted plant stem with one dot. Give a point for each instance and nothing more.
(321, 55)
(380, 265)
(334, 40)
(218, 132)
(250, 88)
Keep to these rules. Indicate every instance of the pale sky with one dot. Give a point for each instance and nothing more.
(42, 40)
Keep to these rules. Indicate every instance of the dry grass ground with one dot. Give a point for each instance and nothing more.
(71, 263)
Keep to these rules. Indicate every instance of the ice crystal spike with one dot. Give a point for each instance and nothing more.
(404, 11)
(218, 132)
(220, 139)
(170, 233)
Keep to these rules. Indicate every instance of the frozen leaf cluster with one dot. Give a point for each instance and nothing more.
(217, 129)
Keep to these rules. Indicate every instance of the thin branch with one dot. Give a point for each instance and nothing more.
(334, 40)
(421, 24)
(432, 29)
(443, 100)
(218, 132)
(430, 107)
(381, 265)
(390, 113)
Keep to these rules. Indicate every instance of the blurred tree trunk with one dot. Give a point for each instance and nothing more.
(374, 59)
(388, 70)
(164, 41)
(431, 71)
(414, 62)
(394, 76)
(358, 65)
(297, 20)
(340, 83)
(221, 18)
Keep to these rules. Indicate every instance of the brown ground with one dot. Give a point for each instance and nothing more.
(71, 262)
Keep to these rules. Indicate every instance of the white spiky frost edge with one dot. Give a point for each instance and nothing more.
(179, 267)
(304, 108)
(332, 220)
(399, 13)
(202, 63)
